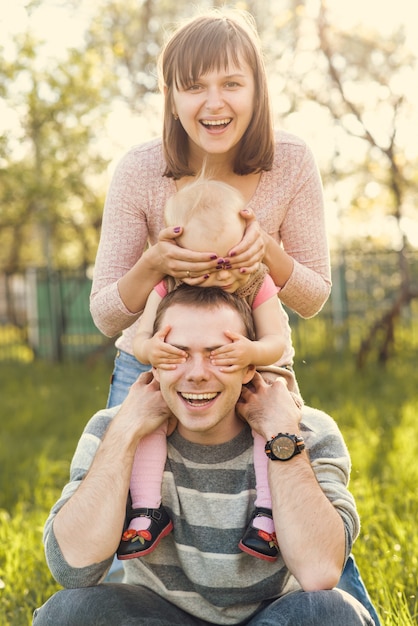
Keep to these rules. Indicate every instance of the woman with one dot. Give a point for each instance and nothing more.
(217, 115)
(216, 111)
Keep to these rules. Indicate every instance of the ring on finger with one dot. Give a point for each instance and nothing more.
(188, 274)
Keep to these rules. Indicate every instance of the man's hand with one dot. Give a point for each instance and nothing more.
(268, 408)
(144, 408)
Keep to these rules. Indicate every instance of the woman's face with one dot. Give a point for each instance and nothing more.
(216, 109)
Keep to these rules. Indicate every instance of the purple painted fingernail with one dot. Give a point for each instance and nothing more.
(232, 253)
(206, 276)
(243, 270)
(213, 257)
(177, 229)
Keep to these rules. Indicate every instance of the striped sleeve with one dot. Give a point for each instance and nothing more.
(82, 459)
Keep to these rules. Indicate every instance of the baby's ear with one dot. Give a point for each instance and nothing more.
(249, 375)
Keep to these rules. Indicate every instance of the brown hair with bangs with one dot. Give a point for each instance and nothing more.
(220, 37)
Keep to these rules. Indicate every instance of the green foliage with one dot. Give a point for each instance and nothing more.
(51, 208)
(45, 407)
(13, 344)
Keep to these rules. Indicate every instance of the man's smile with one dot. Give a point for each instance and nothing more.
(198, 399)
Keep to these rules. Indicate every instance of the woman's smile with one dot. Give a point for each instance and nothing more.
(214, 126)
(217, 106)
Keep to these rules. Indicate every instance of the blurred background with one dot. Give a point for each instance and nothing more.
(78, 87)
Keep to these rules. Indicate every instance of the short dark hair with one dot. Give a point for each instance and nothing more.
(206, 298)
(219, 36)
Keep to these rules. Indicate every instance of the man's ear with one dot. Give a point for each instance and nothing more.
(249, 375)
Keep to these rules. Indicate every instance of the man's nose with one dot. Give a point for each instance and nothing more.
(198, 368)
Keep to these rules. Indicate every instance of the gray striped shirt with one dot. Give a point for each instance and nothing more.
(209, 492)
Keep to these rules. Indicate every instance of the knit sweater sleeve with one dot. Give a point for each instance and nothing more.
(133, 216)
(289, 206)
(331, 463)
(304, 237)
(65, 574)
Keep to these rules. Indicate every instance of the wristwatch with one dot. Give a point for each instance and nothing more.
(284, 447)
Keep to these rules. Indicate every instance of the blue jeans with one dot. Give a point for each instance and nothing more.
(352, 582)
(126, 371)
(128, 605)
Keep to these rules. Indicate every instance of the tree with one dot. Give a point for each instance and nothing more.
(52, 175)
(368, 61)
(50, 166)
(53, 167)
(360, 80)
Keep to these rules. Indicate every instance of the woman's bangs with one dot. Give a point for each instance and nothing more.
(220, 53)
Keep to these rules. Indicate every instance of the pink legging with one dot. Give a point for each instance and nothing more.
(149, 463)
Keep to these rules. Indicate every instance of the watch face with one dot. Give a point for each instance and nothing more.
(283, 447)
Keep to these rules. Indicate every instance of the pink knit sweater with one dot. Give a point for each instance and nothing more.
(288, 204)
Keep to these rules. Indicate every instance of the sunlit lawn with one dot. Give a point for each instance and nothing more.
(44, 408)
(377, 411)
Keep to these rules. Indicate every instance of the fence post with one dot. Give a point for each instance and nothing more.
(45, 313)
(55, 314)
(339, 303)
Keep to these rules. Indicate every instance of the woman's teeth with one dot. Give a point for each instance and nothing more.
(216, 122)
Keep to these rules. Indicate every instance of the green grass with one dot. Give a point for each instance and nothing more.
(377, 410)
(44, 408)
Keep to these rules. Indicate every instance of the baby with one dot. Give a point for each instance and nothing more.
(209, 213)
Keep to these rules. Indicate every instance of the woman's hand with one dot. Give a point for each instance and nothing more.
(251, 249)
(182, 263)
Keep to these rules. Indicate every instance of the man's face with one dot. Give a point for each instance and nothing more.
(198, 394)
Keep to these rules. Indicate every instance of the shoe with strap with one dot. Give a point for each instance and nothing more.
(136, 543)
(258, 542)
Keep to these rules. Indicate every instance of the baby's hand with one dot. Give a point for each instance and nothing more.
(163, 355)
(232, 356)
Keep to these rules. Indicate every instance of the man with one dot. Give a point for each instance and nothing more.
(197, 575)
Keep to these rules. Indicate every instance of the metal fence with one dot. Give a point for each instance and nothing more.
(45, 315)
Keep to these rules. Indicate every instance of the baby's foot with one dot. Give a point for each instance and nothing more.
(259, 539)
(146, 529)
